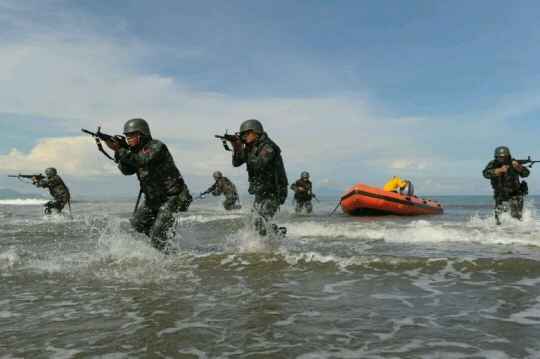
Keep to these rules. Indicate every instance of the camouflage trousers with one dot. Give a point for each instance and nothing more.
(514, 205)
(265, 208)
(230, 203)
(57, 203)
(155, 219)
(301, 204)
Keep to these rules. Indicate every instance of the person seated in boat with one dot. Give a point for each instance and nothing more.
(394, 184)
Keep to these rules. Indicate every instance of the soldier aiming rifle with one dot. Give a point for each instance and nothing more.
(224, 186)
(505, 172)
(57, 189)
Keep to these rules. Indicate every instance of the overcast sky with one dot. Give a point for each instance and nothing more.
(352, 91)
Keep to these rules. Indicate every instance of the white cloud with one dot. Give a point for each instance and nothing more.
(69, 155)
(82, 78)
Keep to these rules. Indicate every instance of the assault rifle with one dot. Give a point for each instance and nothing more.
(523, 186)
(39, 177)
(523, 162)
(209, 190)
(313, 195)
(100, 136)
(231, 138)
(508, 162)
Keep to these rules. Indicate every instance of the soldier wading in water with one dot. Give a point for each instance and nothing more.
(161, 182)
(266, 173)
(504, 173)
(224, 186)
(303, 192)
(57, 189)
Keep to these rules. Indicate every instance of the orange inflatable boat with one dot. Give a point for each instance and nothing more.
(362, 200)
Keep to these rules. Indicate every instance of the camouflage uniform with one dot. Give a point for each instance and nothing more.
(266, 176)
(57, 189)
(162, 185)
(302, 198)
(224, 186)
(506, 189)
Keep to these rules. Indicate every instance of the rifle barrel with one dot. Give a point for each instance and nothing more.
(20, 175)
(527, 161)
(88, 132)
(230, 138)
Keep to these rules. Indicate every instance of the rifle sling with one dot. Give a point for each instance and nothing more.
(100, 148)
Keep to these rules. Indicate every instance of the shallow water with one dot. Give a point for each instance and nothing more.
(448, 286)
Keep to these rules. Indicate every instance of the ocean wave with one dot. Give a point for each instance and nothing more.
(26, 201)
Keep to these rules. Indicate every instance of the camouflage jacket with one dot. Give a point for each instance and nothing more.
(266, 172)
(505, 185)
(226, 187)
(155, 168)
(302, 196)
(57, 187)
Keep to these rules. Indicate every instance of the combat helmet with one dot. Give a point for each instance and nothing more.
(304, 174)
(252, 124)
(502, 151)
(51, 170)
(137, 124)
(217, 174)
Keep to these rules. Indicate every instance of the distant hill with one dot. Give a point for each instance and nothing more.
(7, 193)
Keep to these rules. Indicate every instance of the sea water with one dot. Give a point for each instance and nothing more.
(82, 284)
